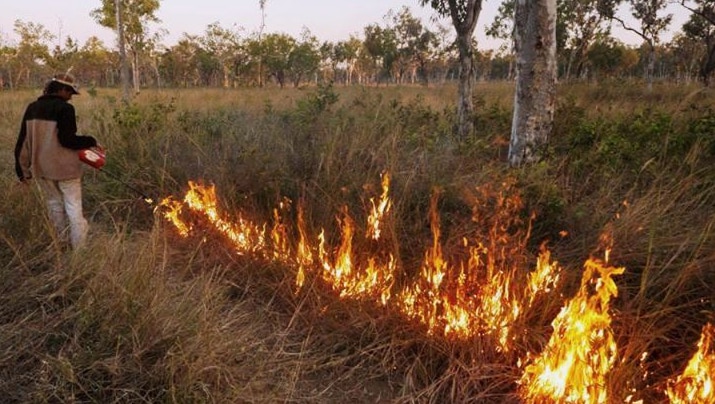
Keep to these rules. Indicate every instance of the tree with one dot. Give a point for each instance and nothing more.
(223, 44)
(131, 19)
(534, 102)
(304, 58)
(464, 15)
(121, 44)
(581, 24)
(701, 27)
(688, 56)
(7, 54)
(275, 52)
(344, 54)
(31, 54)
(262, 5)
(502, 27)
(415, 46)
(92, 62)
(651, 25)
(381, 45)
(608, 57)
(95, 63)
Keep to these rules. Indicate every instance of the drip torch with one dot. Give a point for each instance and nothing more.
(95, 157)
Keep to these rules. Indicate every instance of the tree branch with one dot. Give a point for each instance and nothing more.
(708, 17)
(629, 28)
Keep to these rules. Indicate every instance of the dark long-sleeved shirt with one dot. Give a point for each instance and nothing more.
(48, 142)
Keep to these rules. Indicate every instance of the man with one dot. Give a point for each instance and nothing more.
(46, 151)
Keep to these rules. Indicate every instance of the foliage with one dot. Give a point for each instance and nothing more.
(401, 50)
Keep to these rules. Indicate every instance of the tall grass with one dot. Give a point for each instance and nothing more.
(143, 315)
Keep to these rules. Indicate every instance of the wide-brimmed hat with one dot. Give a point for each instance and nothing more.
(68, 80)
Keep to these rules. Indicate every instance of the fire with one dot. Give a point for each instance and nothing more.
(545, 277)
(279, 234)
(582, 350)
(696, 383)
(485, 293)
(425, 301)
(481, 296)
(173, 215)
(304, 254)
(244, 235)
(378, 212)
(457, 300)
(345, 276)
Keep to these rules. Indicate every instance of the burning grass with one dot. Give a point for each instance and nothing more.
(484, 298)
(356, 252)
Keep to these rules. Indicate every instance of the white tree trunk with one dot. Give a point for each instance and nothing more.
(124, 67)
(135, 72)
(465, 106)
(535, 96)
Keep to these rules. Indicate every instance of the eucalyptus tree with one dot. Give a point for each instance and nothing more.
(464, 15)
(352, 50)
(135, 17)
(581, 24)
(380, 44)
(122, 45)
(608, 57)
(179, 63)
(87, 61)
(416, 45)
(96, 63)
(345, 53)
(701, 27)
(262, 5)
(406, 28)
(444, 59)
(224, 45)
(304, 58)
(7, 54)
(328, 64)
(64, 54)
(275, 52)
(31, 55)
(688, 56)
(649, 14)
(502, 28)
(536, 68)
(578, 24)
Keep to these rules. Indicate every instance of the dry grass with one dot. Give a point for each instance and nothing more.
(143, 315)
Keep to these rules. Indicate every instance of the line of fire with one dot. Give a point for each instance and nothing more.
(485, 294)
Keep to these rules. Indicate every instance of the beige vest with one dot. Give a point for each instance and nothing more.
(43, 155)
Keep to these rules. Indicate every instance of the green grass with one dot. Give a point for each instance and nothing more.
(144, 315)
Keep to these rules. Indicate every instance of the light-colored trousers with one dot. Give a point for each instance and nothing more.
(64, 203)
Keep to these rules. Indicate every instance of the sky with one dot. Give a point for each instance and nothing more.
(330, 20)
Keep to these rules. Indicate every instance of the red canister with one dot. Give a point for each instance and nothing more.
(94, 157)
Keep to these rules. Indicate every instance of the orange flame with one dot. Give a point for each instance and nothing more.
(697, 382)
(582, 350)
(173, 215)
(244, 235)
(378, 212)
(304, 255)
(344, 275)
(279, 234)
(476, 297)
(545, 277)
(485, 294)
(425, 301)
(481, 300)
